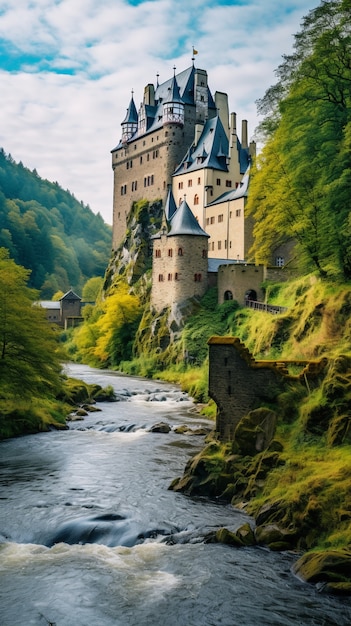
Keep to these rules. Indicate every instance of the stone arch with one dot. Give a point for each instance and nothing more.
(251, 294)
(228, 295)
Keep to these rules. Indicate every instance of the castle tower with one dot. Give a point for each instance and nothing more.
(180, 263)
(173, 107)
(155, 139)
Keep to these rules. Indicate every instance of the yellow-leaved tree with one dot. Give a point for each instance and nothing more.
(116, 327)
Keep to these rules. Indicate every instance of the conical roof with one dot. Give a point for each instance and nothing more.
(132, 114)
(185, 223)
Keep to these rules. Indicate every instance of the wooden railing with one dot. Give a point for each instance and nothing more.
(263, 306)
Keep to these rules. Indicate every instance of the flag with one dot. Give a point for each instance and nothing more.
(195, 51)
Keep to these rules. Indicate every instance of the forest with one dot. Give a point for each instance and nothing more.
(49, 232)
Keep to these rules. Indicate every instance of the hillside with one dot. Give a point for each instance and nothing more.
(48, 231)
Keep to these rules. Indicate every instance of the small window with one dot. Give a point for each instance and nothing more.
(197, 278)
(170, 252)
(228, 183)
(169, 276)
(218, 182)
(219, 245)
(196, 199)
(238, 213)
(180, 251)
(158, 254)
(176, 276)
(190, 183)
(199, 181)
(207, 220)
(204, 254)
(180, 185)
(279, 261)
(220, 217)
(212, 220)
(160, 278)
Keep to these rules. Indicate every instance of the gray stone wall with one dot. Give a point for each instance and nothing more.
(238, 384)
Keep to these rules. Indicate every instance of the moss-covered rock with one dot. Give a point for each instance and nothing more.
(332, 567)
(255, 431)
(244, 536)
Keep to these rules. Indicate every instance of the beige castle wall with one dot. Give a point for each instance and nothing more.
(178, 271)
(225, 223)
(238, 279)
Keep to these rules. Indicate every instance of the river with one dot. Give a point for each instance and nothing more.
(91, 536)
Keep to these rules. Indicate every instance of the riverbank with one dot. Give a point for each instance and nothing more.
(19, 417)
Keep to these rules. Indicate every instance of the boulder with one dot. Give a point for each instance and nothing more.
(332, 567)
(160, 427)
(255, 431)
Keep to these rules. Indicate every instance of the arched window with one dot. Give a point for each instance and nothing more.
(176, 276)
(160, 278)
(196, 199)
(197, 278)
(228, 295)
(180, 251)
(170, 252)
(158, 254)
(169, 276)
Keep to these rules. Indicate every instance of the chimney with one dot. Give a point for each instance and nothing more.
(233, 129)
(149, 94)
(244, 143)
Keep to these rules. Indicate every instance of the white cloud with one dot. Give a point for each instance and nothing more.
(65, 124)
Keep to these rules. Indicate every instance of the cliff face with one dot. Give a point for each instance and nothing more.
(133, 258)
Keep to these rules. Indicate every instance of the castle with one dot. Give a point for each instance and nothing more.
(182, 146)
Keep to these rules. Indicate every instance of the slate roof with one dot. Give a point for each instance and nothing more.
(211, 151)
(214, 264)
(185, 223)
(70, 295)
(240, 192)
(132, 114)
(49, 304)
(181, 87)
(170, 206)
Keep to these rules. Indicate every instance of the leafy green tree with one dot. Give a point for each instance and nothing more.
(29, 353)
(300, 187)
(48, 231)
(92, 289)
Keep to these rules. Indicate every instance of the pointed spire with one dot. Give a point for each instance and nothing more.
(185, 223)
(170, 206)
(132, 114)
(174, 93)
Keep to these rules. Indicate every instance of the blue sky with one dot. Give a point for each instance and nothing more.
(67, 68)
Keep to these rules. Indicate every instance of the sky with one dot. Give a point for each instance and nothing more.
(68, 67)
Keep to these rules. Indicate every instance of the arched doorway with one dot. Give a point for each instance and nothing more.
(251, 295)
(228, 295)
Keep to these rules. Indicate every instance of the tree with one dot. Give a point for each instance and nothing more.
(92, 288)
(29, 353)
(300, 186)
(117, 326)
